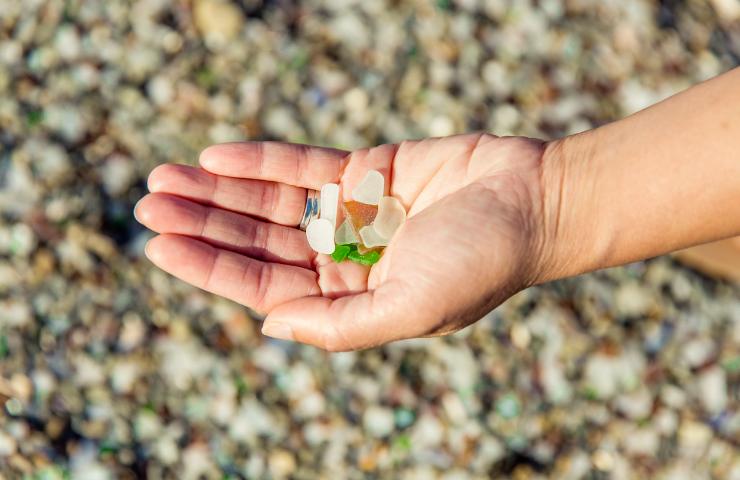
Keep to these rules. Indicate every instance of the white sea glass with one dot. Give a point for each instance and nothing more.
(370, 237)
(345, 234)
(391, 215)
(329, 202)
(320, 234)
(370, 190)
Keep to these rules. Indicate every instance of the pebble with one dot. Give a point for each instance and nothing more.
(636, 405)
(698, 351)
(219, 21)
(161, 90)
(117, 174)
(281, 463)
(693, 438)
(8, 445)
(378, 421)
(642, 442)
(712, 387)
(632, 300)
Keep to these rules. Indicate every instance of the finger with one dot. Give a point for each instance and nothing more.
(256, 284)
(277, 202)
(165, 213)
(300, 165)
(351, 322)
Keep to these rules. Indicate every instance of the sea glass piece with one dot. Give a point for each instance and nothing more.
(370, 237)
(345, 234)
(391, 215)
(370, 190)
(329, 202)
(366, 259)
(320, 234)
(359, 214)
(340, 253)
(362, 249)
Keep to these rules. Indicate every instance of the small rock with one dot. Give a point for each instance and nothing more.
(727, 10)
(378, 421)
(117, 174)
(642, 442)
(166, 450)
(632, 300)
(698, 351)
(124, 374)
(147, 425)
(67, 42)
(636, 405)
(8, 445)
(15, 314)
(161, 90)
(712, 388)
(219, 21)
(693, 438)
(281, 463)
(666, 422)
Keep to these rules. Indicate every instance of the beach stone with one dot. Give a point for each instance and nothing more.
(281, 463)
(636, 405)
(727, 10)
(712, 387)
(218, 21)
(698, 351)
(117, 174)
(632, 300)
(693, 438)
(8, 445)
(378, 421)
(161, 90)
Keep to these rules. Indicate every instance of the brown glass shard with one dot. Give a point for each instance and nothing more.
(359, 215)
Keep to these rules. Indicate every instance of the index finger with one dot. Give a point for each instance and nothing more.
(295, 164)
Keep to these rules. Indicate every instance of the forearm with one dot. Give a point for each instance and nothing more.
(665, 178)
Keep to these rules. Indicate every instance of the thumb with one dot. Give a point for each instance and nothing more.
(353, 322)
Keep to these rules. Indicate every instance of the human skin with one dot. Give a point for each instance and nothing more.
(487, 217)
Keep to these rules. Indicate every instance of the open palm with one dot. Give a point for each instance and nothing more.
(472, 237)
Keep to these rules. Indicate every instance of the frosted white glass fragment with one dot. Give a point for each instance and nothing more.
(391, 215)
(370, 189)
(329, 202)
(345, 234)
(370, 237)
(320, 234)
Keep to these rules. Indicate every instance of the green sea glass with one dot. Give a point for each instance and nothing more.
(341, 252)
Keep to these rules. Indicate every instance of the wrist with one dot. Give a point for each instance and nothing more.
(575, 237)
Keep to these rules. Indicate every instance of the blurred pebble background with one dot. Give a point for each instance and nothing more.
(110, 368)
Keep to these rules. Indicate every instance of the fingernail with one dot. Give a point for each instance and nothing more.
(278, 330)
(135, 207)
(146, 250)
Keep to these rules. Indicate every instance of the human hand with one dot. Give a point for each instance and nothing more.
(473, 237)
